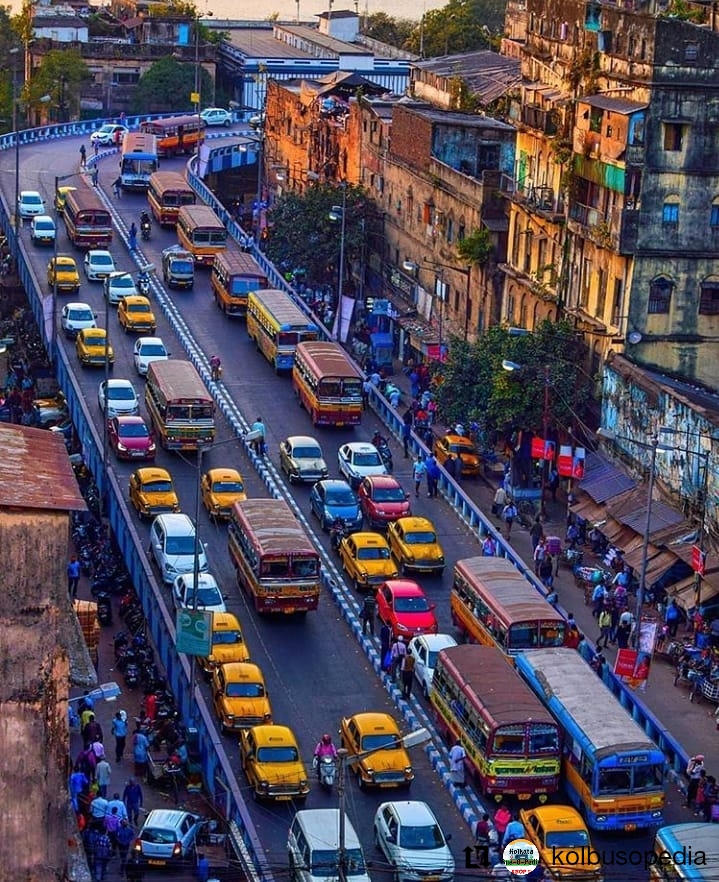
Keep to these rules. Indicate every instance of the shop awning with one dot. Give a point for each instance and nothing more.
(685, 590)
(604, 480)
(587, 508)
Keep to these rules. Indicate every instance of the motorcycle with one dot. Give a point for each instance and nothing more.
(382, 445)
(145, 230)
(338, 530)
(326, 770)
(143, 283)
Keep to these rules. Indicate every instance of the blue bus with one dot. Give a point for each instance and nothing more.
(277, 324)
(138, 160)
(613, 772)
(686, 852)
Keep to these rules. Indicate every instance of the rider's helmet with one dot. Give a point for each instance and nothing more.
(326, 739)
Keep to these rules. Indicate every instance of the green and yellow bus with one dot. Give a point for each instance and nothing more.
(181, 409)
(277, 324)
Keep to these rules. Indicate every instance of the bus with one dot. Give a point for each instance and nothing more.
(277, 324)
(138, 160)
(613, 772)
(327, 384)
(201, 232)
(167, 192)
(87, 221)
(175, 134)
(276, 561)
(513, 744)
(234, 274)
(181, 409)
(686, 853)
(492, 603)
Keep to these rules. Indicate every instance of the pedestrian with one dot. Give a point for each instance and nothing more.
(397, 654)
(433, 476)
(83, 157)
(258, 443)
(112, 827)
(92, 730)
(711, 795)
(695, 766)
(454, 467)
(78, 782)
(553, 597)
(96, 148)
(119, 805)
(457, 755)
(598, 597)
(407, 675)
(98, 810)
(132, 797)
(419, 470)
(89, 841)
(546, 571)
(103, 773)
(86, 762)
(119, 730)
(202, 870)
(125, 838)
(540, 551)
(132, 234)
(605, 627)
(553, 482)
(483, 830)
(673, 617)
(366, 389)
(536, 532)
(103, 853)
(514, 830)
(95, 174)
(573, 638)
(140, 749)
(73, 576)
(407, 421)
(98, 748)
(367, 613)
(509, 513)
(489, 547)
(499, 501)
(116, 187)
(394, 397)
(502, 817)
(385, 637)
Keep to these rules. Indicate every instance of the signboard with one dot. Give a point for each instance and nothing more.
(699, 560)
(194, 632)
(564, 461)
(542, 449)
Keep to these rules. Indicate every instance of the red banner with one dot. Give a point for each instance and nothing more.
(565, 461)
(699, 560)
(625, 662)
(542, 449)
(578, 463)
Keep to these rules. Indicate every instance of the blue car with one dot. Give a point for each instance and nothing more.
(330, 500)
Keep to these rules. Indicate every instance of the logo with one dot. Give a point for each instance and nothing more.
(520, 857)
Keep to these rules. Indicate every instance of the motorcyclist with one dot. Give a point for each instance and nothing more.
(145, 221)
(325, 747)
(216, 367)
(337, 531)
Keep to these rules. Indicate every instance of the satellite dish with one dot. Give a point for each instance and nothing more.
(634, 338)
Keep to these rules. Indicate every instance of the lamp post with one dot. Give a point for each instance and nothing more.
(53, 330)
(17, 155)
(339, 213)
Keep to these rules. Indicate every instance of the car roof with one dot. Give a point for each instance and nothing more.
(361, 447)
(121, 274)
(127, 419)
(30, 193)
(335, 484)
(435, 642)
(175, 521)
(206, 580)
(93, 332)
(559, 817)
(403, 586)
(267, 734)
(242, 671)
(151, 340)
(220, 474)
(321, 827)
(303, 439)
(167, 818)
(225, 621)
(42, 217)
(153, 473)
(118, 382)
(383, 481)
(451, 438)
(78, 304)
(413, 522)
(377, 720)
(368, 538)
(412, 812)
(137, 298)
(65, 260)
(93, 252)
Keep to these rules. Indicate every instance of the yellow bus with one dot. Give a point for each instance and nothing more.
(686, 853)
(138, 160)
(175, 134)
(327, 384)
(234, 274)
(181, 409)
(201, 232)
(276, 561)
(513, 744)
(167, 192)
(87, 221)
(492, 603)
(277, 324)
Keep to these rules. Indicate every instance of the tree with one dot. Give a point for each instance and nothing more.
(57, 82)
(460, 26)
(386, 29)
(11, 77)
(167, 85)
(302, 234)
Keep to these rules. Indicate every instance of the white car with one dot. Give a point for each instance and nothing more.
(359, 459)
(147, 350)
(411, 839)
(209, 596)
(42, 230)
(301, 458)
(216, 116)
(98, 265)
(118, 285)
(425, 648)
(30, 203)
(122, 399)
(75, 317)
(109, 133)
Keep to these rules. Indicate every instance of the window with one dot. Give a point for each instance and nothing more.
(660, 295)
(714, 216)
(617, 302)
(670, 211)
(595, 120)
(673, 136)
(691, 52)
(709, 296)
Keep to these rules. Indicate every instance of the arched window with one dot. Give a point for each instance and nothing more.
(709, 296)
(660, 295)
(670, 211)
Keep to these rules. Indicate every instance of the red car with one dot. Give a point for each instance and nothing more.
(130, 438)
(404, 608)
(382, 500)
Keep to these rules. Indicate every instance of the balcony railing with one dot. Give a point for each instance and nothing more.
(586, 215)
(537, 118)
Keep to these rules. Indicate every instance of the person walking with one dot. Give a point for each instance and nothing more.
(605, 627)
(695, 767)
(103, 853)
(96, 148)
(407, 675)
(385, 638)
(132, 235)
(92, 730)
(407, 420)
(89, 841)
(499, 501)
(553, 482)
(502, 817)
(546, 571)
(116, 187)
(489, 546)
(83, 157)
(457, 772)
(95, 174)
(367, 613)
(103, 773)
(119, 805)
(140, 753)
(112, 826)
(119, 730)
(133, 799)
(73, 576)
(125, 838)
(259, 442)
(419, 470)
(509, 513)
(514, 830)
(536, 532)
(397, 654)
(433, 476)
(540, 552)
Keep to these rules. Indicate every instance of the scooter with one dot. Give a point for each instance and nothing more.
(145, 230)
(382, 445)
(338, 531)
(143, 282)
(326, 771)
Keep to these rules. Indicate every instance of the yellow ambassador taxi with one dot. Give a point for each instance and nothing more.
(152, 492)
(228, 643)
(135, 314)
(376, 755)
(62, 273)
(414, 545)
(240, 696)
(453, 446)
(367, 560)
(563, 842)
(221, 489)
(271, 759)
(90, 345)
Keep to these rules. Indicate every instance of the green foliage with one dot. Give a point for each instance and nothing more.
(167, 85)
(386, 29)
(477, 247)
(12, 67)
(685, 11)
(476, 387)
(59, 77)
(460, 26)
(303, 235)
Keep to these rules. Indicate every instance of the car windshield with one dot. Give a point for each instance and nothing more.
(121, 393)
(567, 839)
(157, 487)
(134, 430)
(95, 339)
(182, 266)
(343, 496)
(205, 596)
(306, 453)
(324, 863)
(226, 638)
(44, 225)
(366, 460)
(122, 282)
(462, 448)
(245, 690)
(31, 199)
(100, 260)
(158, 836)
(411, 604)
(180, 545)
(138, 307)
(388, 494)
(277, 754)
(373, 554)
(228, 487)
(420, 537)
(81, 315)
(152, 349)
(421, 838)
(385, 741)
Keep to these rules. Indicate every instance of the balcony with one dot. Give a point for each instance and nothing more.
(540, 200)
(586, 215)
(635, 154)
(541, 120)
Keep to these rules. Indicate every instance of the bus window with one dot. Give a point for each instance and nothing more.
(648, 777)
(276, 568)
(523, 635)
(304, 568)
(543, 738)
(509, 739)
(614, 780)
(332, 388)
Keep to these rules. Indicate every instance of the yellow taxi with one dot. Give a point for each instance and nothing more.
(377, 757)
(240, 696)
(453, 446)
(563, 842)
(271, 760)
(61, 196)
(367, 560)
(62, 273)
(135, 314)
(414, 545)
(90, 345)
(221, 489)
(228, 644)
(152, 492)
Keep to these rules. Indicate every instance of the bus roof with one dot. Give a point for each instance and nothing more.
(697, 836)
(178, 380)
(239, 262)
(139, 142)
(512, 596)
(201, 216)
(172, 121)
(272, 527)
(85, 199)
(327, 359)
(283, 308)
(571, 687)
(484, 672)
(169, 180)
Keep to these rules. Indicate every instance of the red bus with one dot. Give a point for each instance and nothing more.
(175, 134)
(327, 384)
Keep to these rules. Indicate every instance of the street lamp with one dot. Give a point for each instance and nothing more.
(53, 330)
(196, 96)
(339, 213)
(15, 52)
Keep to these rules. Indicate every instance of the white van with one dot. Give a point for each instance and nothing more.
(313, 848)
(172, 544)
